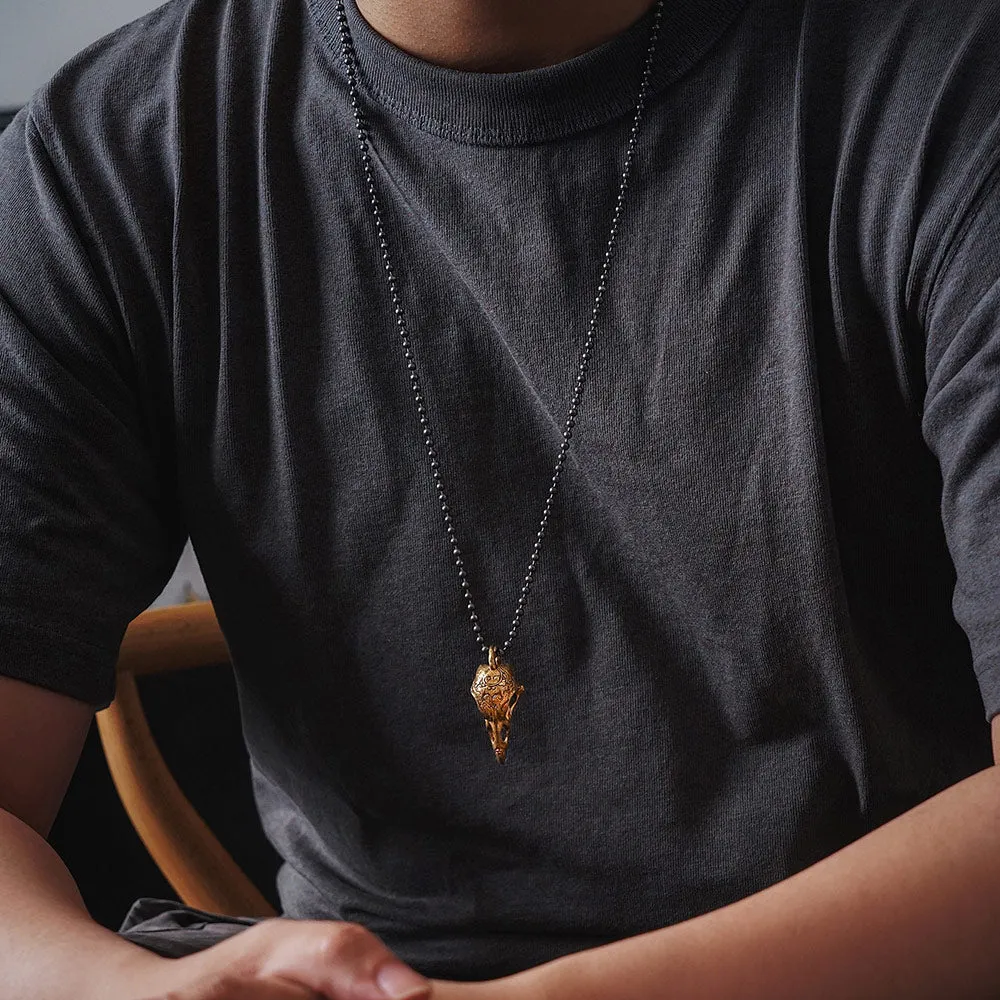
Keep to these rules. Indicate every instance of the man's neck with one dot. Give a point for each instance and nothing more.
(499, 36)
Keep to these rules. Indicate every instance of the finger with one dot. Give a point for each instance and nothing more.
(342, 961)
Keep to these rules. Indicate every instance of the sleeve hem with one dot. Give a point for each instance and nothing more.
(982, 189)
(73, 667)
(988, 675)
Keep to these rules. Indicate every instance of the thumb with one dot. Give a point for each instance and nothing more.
(343, 962)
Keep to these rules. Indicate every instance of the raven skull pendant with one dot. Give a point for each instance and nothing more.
(496, 692)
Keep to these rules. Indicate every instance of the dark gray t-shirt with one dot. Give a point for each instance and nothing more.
(770, 583)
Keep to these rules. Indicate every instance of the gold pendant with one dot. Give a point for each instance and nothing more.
(496, 692)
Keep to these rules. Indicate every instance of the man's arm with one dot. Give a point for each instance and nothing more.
(51, 949)
(909, 912)
(49, 945)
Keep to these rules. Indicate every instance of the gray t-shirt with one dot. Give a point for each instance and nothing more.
(770, 582)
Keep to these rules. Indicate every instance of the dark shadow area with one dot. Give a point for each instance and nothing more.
(195, 720)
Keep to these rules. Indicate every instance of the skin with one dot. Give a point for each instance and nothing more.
(499, 36)
(910, 911)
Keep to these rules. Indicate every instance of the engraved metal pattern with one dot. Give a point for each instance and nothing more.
(364, 139)
(496, 692)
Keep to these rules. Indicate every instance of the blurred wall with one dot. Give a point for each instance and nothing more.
(187, 583)
(38, 36)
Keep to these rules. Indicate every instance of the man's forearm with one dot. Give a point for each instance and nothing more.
(909, 912)
(49, 946)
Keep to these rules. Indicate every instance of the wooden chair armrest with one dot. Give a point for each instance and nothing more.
(173, 638)
(193, 861)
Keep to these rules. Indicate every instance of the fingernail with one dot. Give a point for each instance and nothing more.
(399, 981)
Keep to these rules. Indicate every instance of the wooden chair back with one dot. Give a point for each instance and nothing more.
(199, 868)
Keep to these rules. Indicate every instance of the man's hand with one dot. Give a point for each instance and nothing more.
(291, 960)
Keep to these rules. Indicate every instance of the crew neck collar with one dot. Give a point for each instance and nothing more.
(526, 106)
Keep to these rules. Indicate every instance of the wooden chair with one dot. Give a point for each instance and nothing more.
(193, 861)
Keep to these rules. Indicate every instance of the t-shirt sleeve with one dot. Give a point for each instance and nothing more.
(89, 530)
(961, 418)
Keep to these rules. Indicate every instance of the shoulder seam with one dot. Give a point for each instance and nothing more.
(987, 184)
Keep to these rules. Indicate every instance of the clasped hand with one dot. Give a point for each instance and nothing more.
(283, 959)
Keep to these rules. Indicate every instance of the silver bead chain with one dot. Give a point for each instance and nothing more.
(363, 135)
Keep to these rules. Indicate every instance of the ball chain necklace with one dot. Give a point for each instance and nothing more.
(494, 687)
